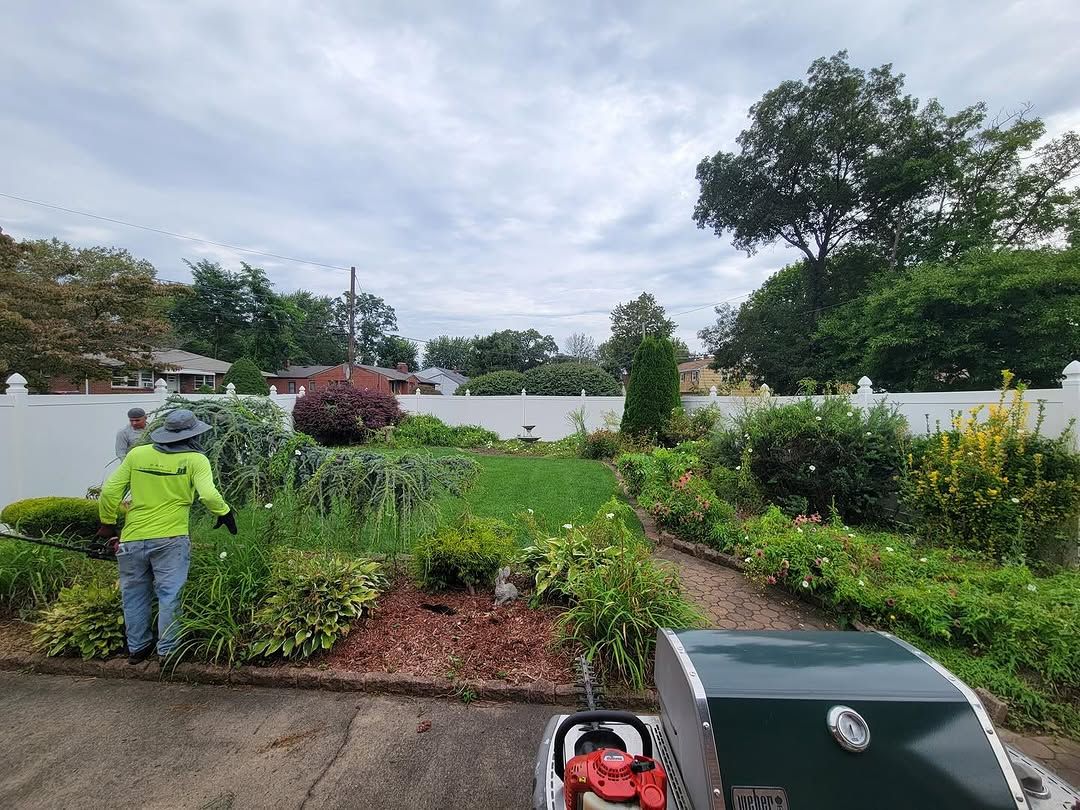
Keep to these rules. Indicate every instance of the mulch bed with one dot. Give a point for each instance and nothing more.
(478, 641)
(14, 637)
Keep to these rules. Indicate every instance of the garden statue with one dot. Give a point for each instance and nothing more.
(505, 591)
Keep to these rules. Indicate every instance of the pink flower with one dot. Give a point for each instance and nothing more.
(770, 579)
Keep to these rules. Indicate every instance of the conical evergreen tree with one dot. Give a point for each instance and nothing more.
(653, 391)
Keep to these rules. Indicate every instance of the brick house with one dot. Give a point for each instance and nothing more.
(184, 372)
(695, 376)
(314, 378)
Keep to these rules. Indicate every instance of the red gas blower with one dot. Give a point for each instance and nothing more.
(602, 775)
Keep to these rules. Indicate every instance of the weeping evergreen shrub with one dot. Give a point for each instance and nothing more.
(653, 392)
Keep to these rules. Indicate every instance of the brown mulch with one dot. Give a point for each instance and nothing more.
(479, 641)
(14, 637)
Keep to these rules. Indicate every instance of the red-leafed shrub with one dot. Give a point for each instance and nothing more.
(341, 414)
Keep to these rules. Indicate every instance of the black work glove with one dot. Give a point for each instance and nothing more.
(107, 531)
(228, 520)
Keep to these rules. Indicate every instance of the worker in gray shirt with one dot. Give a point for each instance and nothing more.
(129, 436)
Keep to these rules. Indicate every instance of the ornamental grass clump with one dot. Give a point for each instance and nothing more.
(993, 485)
(32, 576)
(465, 555)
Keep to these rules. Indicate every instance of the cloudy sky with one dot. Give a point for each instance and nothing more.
(485, 166)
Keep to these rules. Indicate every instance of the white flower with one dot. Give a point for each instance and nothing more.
(739, 467)
(824, 559)
(818, 418)
(812, 468)
(1032, 587)
(530, 511)
(749, 449)
(1015, 500)
(850, 534)
(868, 433)
(297, 451)
(888, 548)
(862, 584)
(223, 555)
(568, 525)
(851, 413)
(747, 560)
(805, 584)
(268, 506)
(610, 515)
(799, 531)
(747, 437)
(746, 537)
(820, 547)
(923, 559)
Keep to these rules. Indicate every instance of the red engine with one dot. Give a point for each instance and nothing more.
(615, 776)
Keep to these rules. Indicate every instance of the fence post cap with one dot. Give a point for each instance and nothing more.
(16, 384)
(712, 390)
(765, 390)
(273, 390)
(523, 392)
(582, 393)
(161, 387)
(468, 392)
(865, 382)
(302, 391)
(231, 389)
(1072, 371)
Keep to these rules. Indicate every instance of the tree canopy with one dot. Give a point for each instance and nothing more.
(394, 350)
(63, 309)
(453, 353)
(510, 350)
(630, 322)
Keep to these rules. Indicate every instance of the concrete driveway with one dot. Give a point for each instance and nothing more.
(87, 742)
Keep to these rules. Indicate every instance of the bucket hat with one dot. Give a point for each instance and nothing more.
(179, 425)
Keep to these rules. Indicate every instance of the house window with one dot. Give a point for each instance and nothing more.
(292, 386)
(311, 387)
(143, 378)
(203, 379)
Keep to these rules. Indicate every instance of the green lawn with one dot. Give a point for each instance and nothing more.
(558, 490)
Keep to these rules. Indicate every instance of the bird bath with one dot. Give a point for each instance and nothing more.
(528, 437)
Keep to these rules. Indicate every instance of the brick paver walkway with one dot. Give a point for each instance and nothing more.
(731, 602)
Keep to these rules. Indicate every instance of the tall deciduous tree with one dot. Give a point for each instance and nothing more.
(580, 347)
(511, 350)
(630, 322)
(373, 319)
(213, 319)
(317, 338)
(453, 353)
(808, 168)
(719, 333)
(63, 308)
(394, 350)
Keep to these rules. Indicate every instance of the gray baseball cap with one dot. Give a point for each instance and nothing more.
(136, 413)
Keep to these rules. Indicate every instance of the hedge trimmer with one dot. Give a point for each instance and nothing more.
(98, 548)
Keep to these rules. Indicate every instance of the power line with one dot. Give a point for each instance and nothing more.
(173, 234)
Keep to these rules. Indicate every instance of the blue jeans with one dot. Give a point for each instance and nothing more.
(152, 567)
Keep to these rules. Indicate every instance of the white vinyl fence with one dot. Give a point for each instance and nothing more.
(61, 444)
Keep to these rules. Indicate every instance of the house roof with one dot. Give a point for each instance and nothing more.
(300, 372)
(435, 371)
(695, 365)
(394, 374)
(178, 361)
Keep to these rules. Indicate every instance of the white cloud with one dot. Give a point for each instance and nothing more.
(484, 167)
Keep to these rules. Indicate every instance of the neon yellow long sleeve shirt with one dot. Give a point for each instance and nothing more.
(163, 487)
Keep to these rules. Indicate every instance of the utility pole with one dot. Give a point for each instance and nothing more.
(352, 325)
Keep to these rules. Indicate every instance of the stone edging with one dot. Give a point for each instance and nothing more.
(390, 683)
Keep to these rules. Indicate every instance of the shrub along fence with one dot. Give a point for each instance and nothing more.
(61, 444)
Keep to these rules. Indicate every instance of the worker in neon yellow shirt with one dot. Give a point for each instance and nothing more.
(154, 549)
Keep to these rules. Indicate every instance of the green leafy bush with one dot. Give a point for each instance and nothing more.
(1025, 625)
(693, 426)
(493, 384)
(653, 392)
(601, 444)
(993, 485)
(552, 559)
(660, 465)
(75, 518)
(464, 555)
(616, 609)
(568, 380)
(423, 430)
(312, 604)
(32, 576)
(87, 619)
(247, 378)
(739, 488)
(690, 508)
(813, 456)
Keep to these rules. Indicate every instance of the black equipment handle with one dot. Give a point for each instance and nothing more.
(599, 716)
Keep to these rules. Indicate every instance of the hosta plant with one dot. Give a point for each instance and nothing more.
(86, 618)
